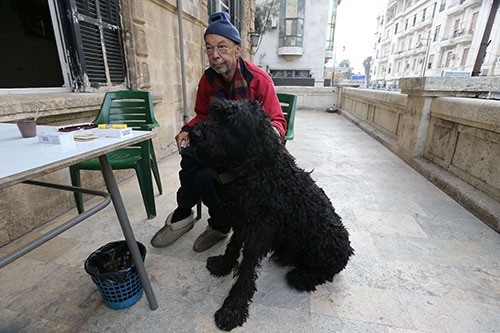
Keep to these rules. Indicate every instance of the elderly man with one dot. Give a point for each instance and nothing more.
(228, 77)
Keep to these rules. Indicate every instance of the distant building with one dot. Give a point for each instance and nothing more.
(433, 38)
(297, 40)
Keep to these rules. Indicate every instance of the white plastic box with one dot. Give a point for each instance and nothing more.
(57, 138)
(112, 132)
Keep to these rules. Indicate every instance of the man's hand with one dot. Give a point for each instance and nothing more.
(182, 140)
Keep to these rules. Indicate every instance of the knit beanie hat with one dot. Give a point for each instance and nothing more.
(220, 24)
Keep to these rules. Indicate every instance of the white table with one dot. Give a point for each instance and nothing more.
(23, 159)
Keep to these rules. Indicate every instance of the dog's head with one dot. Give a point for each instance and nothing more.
(236, 135)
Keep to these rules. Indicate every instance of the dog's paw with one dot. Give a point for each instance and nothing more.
(301, 280)
(230, 316)
(220, 266)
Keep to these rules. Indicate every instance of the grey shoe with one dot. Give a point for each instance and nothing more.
(208, 238)
(172, 231)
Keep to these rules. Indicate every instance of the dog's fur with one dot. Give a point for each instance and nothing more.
(274, 207)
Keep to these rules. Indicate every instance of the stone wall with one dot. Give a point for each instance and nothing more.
(441, 128)
(310, 97)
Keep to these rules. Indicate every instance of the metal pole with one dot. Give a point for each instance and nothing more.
(427, 53)
(180, 14)
(485, 41)
(121, 213)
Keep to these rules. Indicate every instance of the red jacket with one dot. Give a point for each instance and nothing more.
(260, 88)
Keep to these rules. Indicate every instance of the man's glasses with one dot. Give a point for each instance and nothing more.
(222, 49)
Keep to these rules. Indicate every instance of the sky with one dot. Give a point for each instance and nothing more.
(355, 31)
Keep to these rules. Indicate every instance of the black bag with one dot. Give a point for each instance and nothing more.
(113, 262)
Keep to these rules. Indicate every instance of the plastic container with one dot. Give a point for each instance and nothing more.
(112, 270)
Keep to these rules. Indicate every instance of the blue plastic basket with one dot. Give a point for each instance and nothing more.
(112, 270)
(120, 295)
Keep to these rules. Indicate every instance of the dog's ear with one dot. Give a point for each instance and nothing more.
(222, 110)
(233, 113)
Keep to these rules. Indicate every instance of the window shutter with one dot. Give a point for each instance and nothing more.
(98, 43)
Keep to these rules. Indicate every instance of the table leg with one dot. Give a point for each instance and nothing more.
(113, 190)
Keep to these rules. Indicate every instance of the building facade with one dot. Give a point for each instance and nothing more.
(297, 40)
(59, 57)
(434, 38)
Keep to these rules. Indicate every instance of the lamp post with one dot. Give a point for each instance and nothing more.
(254, 39)
(426, 59)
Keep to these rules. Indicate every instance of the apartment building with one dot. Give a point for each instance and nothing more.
(434, 38)
(296, 40)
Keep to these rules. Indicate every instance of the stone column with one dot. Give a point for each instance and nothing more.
(135, 38)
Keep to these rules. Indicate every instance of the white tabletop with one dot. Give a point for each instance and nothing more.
(26, 158)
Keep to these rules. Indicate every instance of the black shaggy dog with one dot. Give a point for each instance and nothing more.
(274, 207)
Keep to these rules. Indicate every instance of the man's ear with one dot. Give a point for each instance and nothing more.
(237, 50)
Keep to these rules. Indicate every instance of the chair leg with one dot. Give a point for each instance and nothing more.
(198, 211)
(146, 186)
(75, 181)
(156, 172)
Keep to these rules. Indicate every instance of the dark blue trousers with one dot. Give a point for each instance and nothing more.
(199, 182)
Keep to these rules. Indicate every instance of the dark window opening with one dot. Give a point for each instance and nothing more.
(84, 49)
(231, 7)
(29, 56)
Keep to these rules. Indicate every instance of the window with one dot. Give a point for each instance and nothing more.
(291, 23)
(442, 6)
(32, 57)
(49, 48)
(449, 57)
(473, 22)
(231, 7)
(218, 6)
(290, 73)
(436, 33)
(331, 26)
(429, 63)
(423, 14)
(465, 54)
(97, 40)
(396, 28)
(456, 28)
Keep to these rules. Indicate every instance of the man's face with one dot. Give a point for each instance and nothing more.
(222, 54)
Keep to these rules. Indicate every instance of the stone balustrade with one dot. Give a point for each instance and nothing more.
(448, 129)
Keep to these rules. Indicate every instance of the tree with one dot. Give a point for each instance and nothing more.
(367, 64)
(345, 67)
(263, 15)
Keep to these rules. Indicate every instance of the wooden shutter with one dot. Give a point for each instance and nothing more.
(96, 42)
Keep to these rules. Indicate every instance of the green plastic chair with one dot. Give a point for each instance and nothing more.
(134, 108)
(289, 106)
